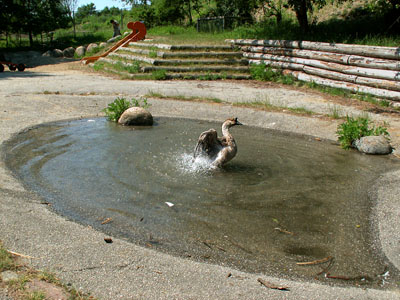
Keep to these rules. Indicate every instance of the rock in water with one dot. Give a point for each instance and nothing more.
(136, 116)
(373, 145)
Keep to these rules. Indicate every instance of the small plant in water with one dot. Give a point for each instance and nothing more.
(354, 128)
(115, 109)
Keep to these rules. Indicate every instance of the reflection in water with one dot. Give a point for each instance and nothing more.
(283, 199)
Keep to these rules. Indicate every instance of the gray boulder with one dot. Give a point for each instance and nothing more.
(92, 47)
(53, 53)
(69, 52)
(103, 44)
(136, 116)
(112, 40)
(80, 51)
(373, 145)
(57, 53)
(47, 53)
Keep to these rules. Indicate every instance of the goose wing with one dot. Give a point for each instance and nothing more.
(208, 144)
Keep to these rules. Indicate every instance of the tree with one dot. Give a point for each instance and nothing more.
(273, 8)
(37, 16)
(86, 10)
(168, 11)
(241, 9)
(71, 6)
(301, 8)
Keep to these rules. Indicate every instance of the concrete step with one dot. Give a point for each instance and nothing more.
(186, 76)
(196, 69)
(191, 48)
(182, 54)
(177, 69)
(161, 61)
(172, 62)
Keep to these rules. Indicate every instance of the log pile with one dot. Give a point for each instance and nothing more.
(358, 68)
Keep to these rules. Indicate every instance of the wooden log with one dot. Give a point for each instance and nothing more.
(392, 95)
(330, 74)
(372, 82)
(363, 50)
(350, 70)
(379, 83)
(353, 60)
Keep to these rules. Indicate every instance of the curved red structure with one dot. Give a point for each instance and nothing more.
(138, 33)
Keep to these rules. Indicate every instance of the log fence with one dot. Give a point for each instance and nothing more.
(358, 68)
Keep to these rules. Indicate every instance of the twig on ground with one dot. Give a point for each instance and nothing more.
(315, 262)
(325, 270)
(283, 231)
(272, 286)
(19, 254)
(108, 220)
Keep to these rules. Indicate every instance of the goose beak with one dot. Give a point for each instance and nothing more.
(238, 123)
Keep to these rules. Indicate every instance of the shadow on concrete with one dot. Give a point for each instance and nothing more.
(26, 73)
(34, 59)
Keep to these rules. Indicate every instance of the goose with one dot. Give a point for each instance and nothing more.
(218, 150)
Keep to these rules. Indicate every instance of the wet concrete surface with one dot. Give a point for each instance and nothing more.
(79, 255)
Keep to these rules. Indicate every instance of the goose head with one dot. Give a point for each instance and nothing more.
(231, 122)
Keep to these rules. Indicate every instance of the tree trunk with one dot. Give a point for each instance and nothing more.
(301, 14)
(30, 38)
(74, 24)
(190, 13)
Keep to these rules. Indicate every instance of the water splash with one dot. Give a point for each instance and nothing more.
(199, 165)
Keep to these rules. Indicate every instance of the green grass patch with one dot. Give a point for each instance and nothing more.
(159, 75)
(183, 98)
(6, 260)
(262, 72)
(268, 106)
(355, 128)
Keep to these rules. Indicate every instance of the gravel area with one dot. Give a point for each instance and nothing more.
(122, 270)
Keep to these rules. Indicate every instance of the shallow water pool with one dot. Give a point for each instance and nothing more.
(284, 198)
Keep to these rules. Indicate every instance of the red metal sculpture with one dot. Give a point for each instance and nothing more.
(138, 33)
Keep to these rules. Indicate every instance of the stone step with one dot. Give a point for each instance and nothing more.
(186, 76)
(196, 69)
(178, 69)
(166, 55)
(191, 48)
(161, 61)
(169, 62)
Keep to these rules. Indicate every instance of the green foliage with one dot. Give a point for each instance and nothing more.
(85, 11)
(153, 54)
(6, 261)
(266, 73)
(354, 128)
(115, 109)
(159, 75)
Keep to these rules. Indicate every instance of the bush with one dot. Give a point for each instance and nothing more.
(355, 128)
(115, 109)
